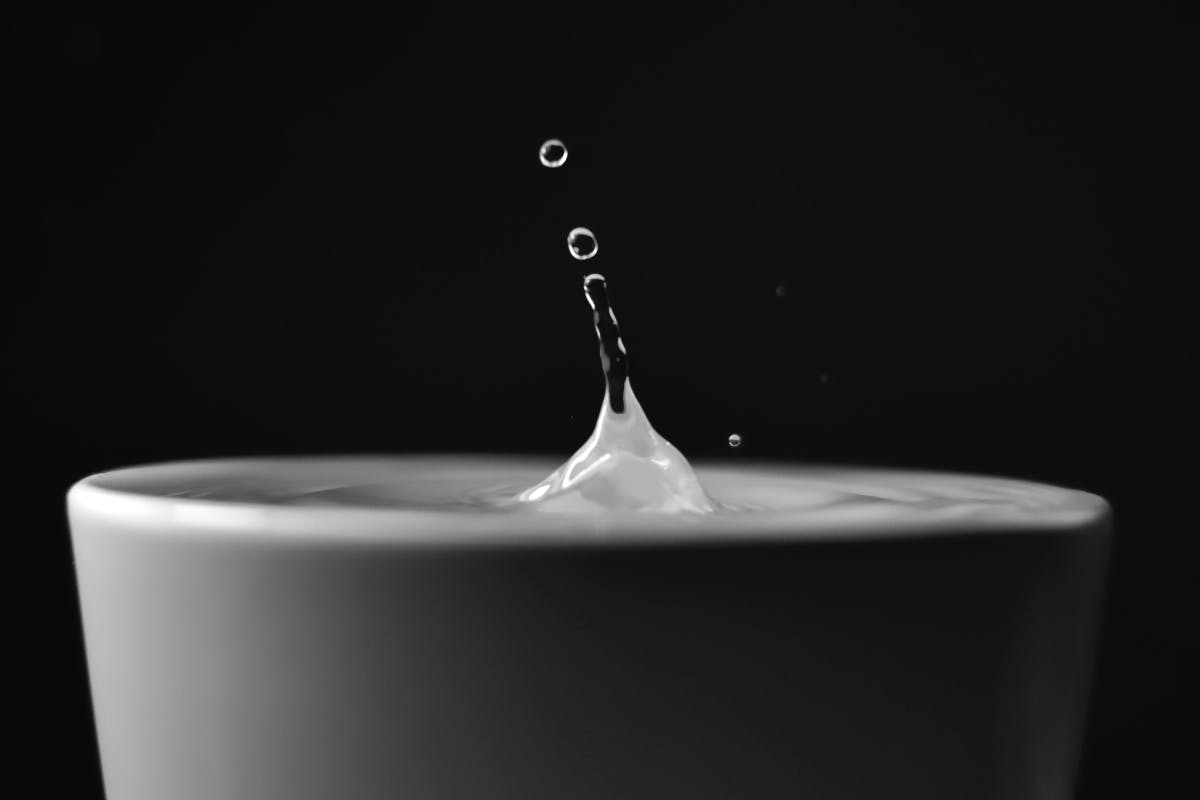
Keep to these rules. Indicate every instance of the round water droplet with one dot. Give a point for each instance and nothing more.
(735, 440)
(582, 243)
(553, 153)
(823, 377)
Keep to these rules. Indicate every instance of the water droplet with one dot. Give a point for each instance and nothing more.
(582, 243)
(735, 440)
(553, 153)
(823, 377)
(780, 290)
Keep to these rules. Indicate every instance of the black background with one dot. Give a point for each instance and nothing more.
(277, 230)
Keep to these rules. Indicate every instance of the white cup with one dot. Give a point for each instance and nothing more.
(243, 650)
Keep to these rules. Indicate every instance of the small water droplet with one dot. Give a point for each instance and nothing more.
(780, 290)
(735, 440)
(582, 243)
(823, 377)
(553, 153)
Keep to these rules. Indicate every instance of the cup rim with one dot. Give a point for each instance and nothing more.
(113, 497)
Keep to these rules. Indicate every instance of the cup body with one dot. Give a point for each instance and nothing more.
(230, 666)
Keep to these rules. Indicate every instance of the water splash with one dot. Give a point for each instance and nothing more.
(625, 464)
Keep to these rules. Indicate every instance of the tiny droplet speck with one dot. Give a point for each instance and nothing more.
(553, 153)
